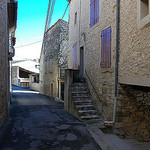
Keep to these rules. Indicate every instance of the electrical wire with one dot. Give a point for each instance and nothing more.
(65, 11)
(28, 44)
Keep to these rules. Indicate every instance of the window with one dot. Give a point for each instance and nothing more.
(75, 57)
(75, 18)
(50, 65)
(94, 12)
(106, 48)
(143, 10)
(45, 67)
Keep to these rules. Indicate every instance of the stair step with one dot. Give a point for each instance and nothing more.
(80, 92)
(90, 117)
(83, 101)
(85, 107)
(81, 96)
(87, 111)
(78, 85)
(78, 88)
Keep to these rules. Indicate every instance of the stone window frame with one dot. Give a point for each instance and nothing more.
(143, 13)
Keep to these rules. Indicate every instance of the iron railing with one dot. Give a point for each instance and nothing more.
(94, 88)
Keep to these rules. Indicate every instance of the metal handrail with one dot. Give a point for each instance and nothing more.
(94, 89)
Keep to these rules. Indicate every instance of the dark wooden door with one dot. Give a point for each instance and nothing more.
(52, 89)
(81, 62)
(62, 90)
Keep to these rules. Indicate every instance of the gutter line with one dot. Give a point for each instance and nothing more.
(117, 58)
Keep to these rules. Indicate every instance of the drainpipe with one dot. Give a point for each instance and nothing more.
(117, 58)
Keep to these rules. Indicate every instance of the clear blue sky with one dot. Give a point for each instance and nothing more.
(31, 23)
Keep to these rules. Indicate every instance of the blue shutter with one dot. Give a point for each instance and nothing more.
(96, 20)
(92, 13)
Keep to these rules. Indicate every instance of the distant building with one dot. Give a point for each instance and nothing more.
(8, 19)
(54, 60)
(34, 81)
(20, 76)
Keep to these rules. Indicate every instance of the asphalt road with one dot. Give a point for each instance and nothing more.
(38, 122)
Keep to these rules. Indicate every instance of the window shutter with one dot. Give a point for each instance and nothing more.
(75, 57)
(92, 13)
(45, 66)
(108, 52)
(50, 65)
(96, 11)
(106, 48)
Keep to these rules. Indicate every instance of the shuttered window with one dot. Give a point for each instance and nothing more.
(75, 57)
(94, 12)
(50, 66)
(75, 18)
(106, 48)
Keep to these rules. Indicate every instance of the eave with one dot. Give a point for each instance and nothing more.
(12, 14)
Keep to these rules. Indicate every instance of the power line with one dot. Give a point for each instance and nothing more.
(28, 44)
(65, 11)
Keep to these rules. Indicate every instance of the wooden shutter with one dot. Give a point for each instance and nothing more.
(51, 65)
(75, 57)
(92, 13)
(96, 17)
(106, 48)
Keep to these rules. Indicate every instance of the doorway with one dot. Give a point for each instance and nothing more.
(81, 63)
(62, 91)
(52, 89)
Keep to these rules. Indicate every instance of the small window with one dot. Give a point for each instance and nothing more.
(45, 67)
(106, 48)
(144, 8)
(94, 12)
(75, 18)
(143, 11)
(50, 66)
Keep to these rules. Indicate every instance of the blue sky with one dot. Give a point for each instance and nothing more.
(31, 23)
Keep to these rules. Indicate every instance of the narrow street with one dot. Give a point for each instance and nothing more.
(39, 122)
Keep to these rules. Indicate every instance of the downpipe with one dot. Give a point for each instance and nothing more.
(117, 58)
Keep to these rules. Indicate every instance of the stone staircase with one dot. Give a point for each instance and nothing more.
(83, 102)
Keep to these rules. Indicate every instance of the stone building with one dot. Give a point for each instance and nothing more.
(21, 76)
(90, 28)
(53, 59)
(34, 81)
(92, 51)
(8, 18)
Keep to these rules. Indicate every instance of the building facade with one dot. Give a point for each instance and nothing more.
(89, 22)
(92, 51)
(8, 17)
(133, 117)
(53, 59)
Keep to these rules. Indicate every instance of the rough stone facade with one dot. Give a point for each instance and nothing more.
(134, 62)
(54, 58)
(133, 117)
(90, 38)
(3, 62)
(133, 113)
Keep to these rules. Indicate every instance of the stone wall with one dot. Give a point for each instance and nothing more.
(133, 112)
(35, 86)
(134, 64)
(53, 56)
(3, 63)
(90, 39)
